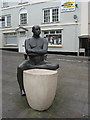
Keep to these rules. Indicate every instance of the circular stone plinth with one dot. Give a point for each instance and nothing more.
(40, 87)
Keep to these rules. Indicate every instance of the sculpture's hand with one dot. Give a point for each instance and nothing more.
(34, 50)
(31, 52)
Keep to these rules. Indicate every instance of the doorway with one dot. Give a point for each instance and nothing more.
(21, 40)
(22, 36)
(83, 44)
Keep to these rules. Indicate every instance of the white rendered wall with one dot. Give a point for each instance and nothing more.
(84, 18)
(71, 30)
(89, 18)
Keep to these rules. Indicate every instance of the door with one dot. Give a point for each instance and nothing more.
(22, 37)
(83, 43)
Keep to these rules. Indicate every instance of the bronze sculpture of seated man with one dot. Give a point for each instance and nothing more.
(36, 48)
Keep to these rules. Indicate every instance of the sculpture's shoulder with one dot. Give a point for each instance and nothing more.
(44, 39)
(28, 40)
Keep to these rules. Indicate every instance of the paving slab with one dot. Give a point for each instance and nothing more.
(71, 100)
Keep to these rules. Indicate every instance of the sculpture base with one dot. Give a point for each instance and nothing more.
(40, 87)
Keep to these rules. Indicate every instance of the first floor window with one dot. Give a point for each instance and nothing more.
(55, 16)
(3, 21)
(54, 37)
(46, 15)
(51, 15)
(6, 21)
(23, 18)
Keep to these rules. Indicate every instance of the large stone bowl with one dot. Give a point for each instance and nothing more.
(40, 87)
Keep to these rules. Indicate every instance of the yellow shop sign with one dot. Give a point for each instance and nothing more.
(67, 6)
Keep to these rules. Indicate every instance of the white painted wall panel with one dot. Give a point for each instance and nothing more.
(84, 18)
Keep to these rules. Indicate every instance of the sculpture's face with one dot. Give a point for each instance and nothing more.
(36, 30)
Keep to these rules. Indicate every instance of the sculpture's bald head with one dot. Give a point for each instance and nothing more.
(36, 30)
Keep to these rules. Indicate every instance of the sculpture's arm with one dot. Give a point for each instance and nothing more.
(44, 49)
(28, 49)
(36, 51)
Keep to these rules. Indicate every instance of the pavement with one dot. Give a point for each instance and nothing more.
(71, 100)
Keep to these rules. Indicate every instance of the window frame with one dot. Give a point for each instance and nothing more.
(23, 20)
(22, 12)
(12, 34)
(0, 21)
(6, 21)
(55, 15)
(51, 14)
(3, 24)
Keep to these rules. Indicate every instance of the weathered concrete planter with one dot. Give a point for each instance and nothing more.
(40, 87)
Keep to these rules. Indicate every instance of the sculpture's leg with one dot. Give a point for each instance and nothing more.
(20, 79)
(23, 66)
(49, 66)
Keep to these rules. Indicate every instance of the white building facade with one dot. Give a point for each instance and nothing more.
(64, 23)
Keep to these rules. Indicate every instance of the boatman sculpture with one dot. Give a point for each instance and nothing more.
(36, 48)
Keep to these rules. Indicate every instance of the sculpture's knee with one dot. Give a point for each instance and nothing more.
(19, 72)
(55, 66)
(20, 67)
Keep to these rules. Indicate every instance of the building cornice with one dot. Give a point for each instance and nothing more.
(42, 25)
(58, 24)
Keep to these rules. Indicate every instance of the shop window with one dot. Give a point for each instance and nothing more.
(10, 39)
(54, 37)
(51, 15)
